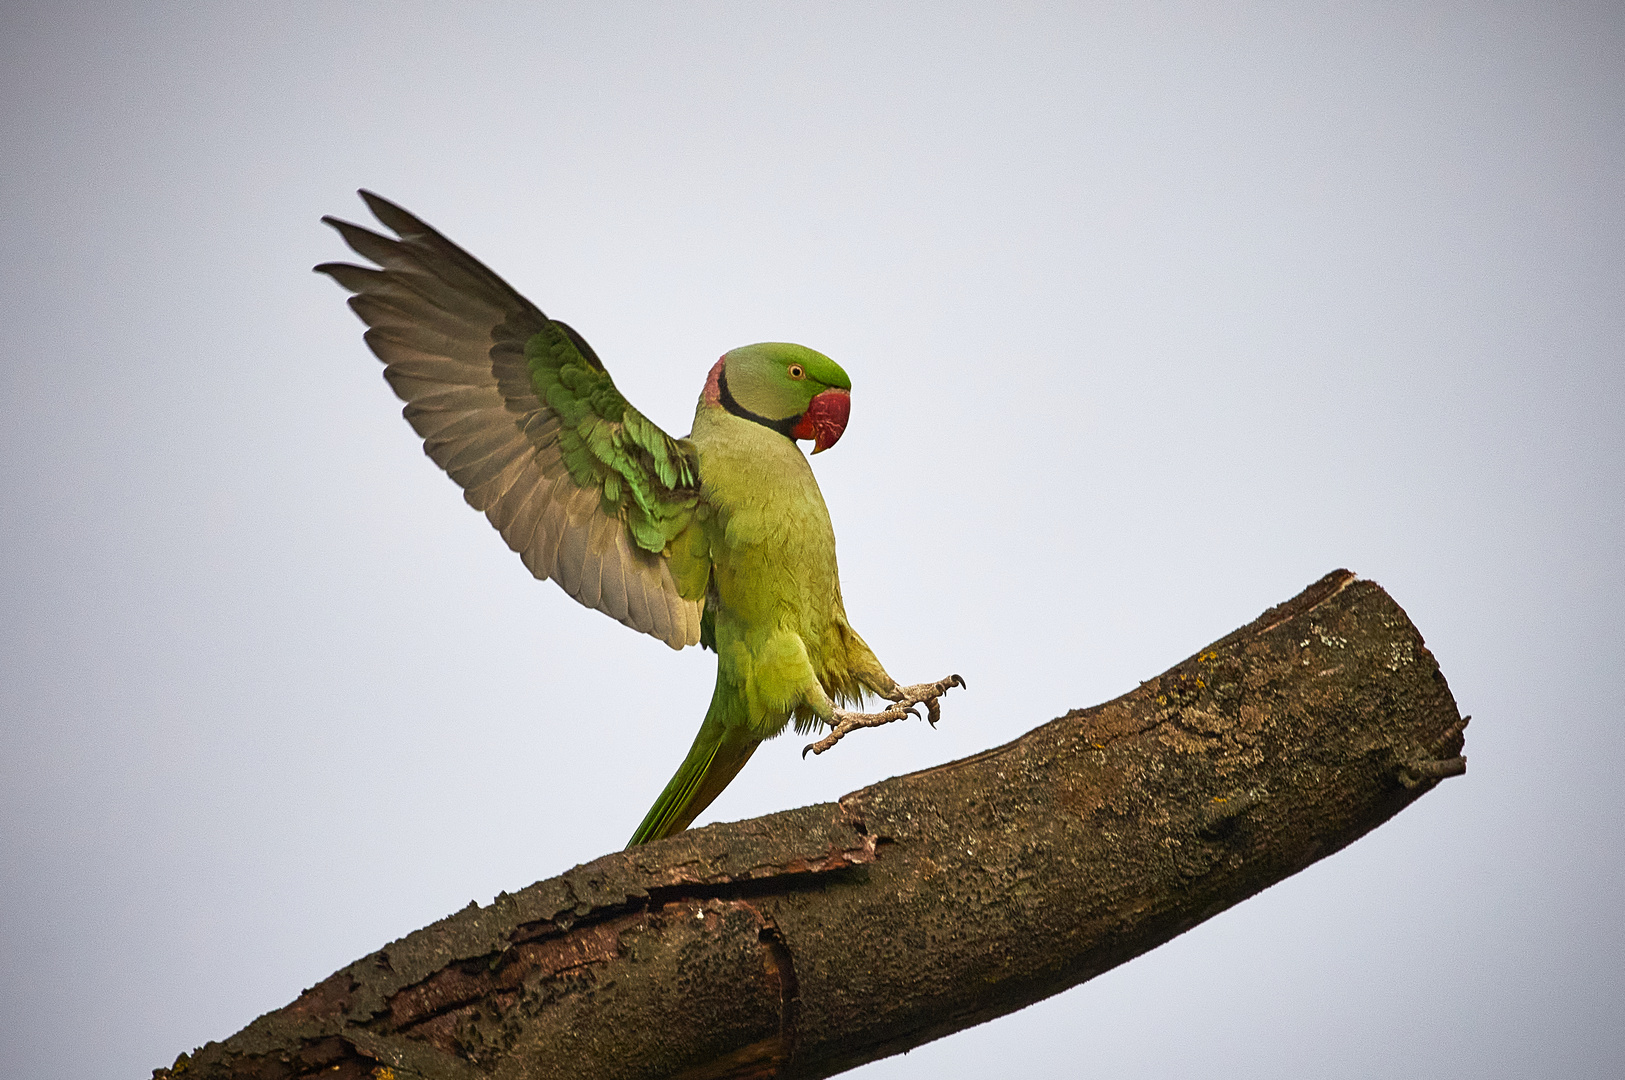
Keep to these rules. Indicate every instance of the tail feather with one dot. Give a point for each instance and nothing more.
(720, 750)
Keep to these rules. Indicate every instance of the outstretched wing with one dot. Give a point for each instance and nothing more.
(518, 409)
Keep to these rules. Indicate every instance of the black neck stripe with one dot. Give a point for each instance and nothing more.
(783, 427)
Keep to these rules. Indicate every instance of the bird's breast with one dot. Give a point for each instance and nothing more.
(772, 546)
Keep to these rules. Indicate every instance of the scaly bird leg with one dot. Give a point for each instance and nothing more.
(908, 697)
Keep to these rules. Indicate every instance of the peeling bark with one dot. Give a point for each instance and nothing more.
(808, 942)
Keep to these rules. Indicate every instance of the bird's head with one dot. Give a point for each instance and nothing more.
(789, 388)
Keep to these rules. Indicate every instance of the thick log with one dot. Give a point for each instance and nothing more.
(804, 943)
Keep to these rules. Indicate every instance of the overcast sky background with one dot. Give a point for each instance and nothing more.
(1154, 314)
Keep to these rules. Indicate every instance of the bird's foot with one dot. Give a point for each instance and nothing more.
(904, 704)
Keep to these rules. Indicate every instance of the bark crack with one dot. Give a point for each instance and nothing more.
(783, 965)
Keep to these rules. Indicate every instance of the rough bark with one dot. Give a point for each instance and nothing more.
(804, 943)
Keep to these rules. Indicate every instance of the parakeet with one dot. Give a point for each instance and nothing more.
(720, 538)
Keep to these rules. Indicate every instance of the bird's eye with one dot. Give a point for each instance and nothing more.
(796, 372)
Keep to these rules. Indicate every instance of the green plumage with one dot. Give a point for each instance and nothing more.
(646, 478)
(720, 538)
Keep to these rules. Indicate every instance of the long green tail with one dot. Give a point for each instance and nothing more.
(720, 750)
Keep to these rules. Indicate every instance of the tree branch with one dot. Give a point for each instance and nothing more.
(805, 943)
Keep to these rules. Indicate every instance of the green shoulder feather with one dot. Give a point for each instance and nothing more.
(646, 477)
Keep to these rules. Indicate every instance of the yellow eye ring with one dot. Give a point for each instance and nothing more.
(796, 372)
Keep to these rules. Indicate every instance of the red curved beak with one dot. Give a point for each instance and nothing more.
(824, 419)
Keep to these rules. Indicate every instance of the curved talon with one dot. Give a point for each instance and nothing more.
(906, 703)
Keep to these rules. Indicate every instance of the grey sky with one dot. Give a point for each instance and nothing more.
(1154, 313)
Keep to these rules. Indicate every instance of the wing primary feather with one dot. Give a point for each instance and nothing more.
(474, 478)
(639, 612)
(487, 494)
(419, 236)
(572, 555)
(554, 519)
(613, 568)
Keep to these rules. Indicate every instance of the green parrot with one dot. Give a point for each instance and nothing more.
(720, 538)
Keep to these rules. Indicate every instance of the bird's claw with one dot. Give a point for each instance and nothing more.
(906, 703)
